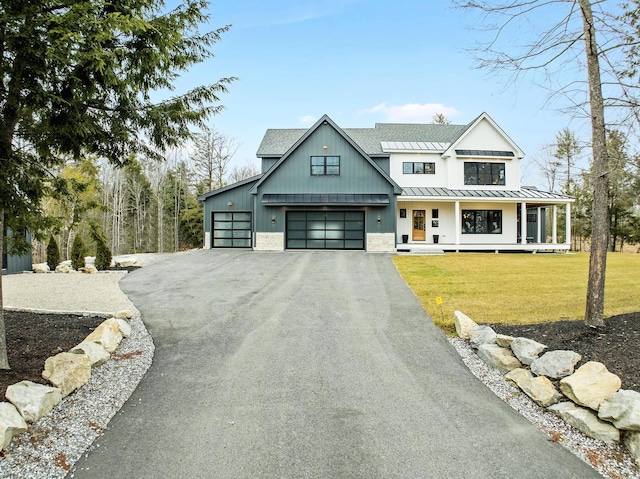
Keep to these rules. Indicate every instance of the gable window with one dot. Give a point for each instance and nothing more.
(482, 222)
(483, 173)
(325, 166)
(413, 168)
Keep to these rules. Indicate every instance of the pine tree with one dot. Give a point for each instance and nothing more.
(53, 253)
(77, 253)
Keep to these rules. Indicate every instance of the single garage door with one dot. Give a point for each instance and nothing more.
(325, 230)
(231, 230)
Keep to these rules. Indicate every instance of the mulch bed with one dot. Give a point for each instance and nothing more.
(32, 338)
(616, 345)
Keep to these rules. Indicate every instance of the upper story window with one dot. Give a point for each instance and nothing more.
(325, 166)
(413, 168)
(484, 173)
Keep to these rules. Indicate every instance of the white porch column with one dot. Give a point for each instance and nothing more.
(458, 222)
(539, 224)
(554, 237)
(523, 223)
(568, 232)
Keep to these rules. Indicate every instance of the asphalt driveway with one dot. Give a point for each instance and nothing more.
(306, 365)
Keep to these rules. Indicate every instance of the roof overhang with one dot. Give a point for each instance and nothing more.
(526, 195)
(327, 199)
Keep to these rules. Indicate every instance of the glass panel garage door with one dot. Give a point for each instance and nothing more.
(325, 230)
(232, 230)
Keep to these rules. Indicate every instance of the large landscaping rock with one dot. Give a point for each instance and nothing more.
(464, 324)
(632, 441)
(540, 389)
(622, 409)
(526, 350)
(41, 268)
(128, 262)
(586, 421)
(89, 269)
(107, 334)
(33, 400)
(497, 357)
(591, 384)
(504, 341)
(11, 423)
(125, 327)
(555, 364)
(67, 371)
(64, 268)
(96, 353)
(481, 335)
(124, 314)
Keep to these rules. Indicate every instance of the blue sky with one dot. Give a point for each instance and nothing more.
(362, 62)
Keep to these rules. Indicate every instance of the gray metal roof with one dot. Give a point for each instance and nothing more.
(524, 193)
(246, 181)
(324, 199)
(414, 146)
(276, 142)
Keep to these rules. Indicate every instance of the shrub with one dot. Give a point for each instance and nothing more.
(77, 253)
(53, 253)
(103, 253)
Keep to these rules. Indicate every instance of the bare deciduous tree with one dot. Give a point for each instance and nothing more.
(239, 173)
(565, 34)
(213, 153)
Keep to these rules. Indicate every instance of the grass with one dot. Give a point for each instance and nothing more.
(517, 288)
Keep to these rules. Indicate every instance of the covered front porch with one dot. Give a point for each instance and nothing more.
(432, 220)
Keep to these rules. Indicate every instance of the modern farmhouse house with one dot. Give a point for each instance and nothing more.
(394, 187)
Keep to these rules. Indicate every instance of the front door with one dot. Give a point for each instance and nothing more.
(418, 225)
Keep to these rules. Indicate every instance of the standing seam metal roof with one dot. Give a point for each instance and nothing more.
(523, 193)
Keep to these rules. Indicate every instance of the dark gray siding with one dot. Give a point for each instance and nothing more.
(271, 219)
(17, 264)
(383, 163)
(357, 175)
(268, 163)
(240, 197)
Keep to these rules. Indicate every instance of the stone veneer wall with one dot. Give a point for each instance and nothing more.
(269, 242)
(207, 240)
(381, 242)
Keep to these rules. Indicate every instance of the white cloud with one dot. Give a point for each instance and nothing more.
(307, 120)
(411, 112)
(282, 12)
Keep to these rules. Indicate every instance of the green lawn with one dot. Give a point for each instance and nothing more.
(517, 288)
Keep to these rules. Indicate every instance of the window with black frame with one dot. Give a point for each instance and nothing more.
(325, 166)
(481, 222)
(484, 173)
(418, 168)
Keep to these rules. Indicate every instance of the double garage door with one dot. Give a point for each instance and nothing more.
(325, 230)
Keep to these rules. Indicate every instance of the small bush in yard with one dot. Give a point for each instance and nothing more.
(53, 253)
(103, 253)
(77, 253)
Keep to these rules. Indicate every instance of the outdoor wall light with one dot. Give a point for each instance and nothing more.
(378, 219)
(325, 147)
(273, 220)
(230, 203)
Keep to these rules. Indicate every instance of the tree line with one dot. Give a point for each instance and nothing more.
(559, 163)
(143, 206)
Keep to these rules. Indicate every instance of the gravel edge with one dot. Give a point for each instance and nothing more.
(610, 460)
(52, 445)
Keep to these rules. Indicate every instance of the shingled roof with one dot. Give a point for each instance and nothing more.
(276, 142)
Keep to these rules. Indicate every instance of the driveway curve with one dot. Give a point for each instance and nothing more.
(306, 365)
